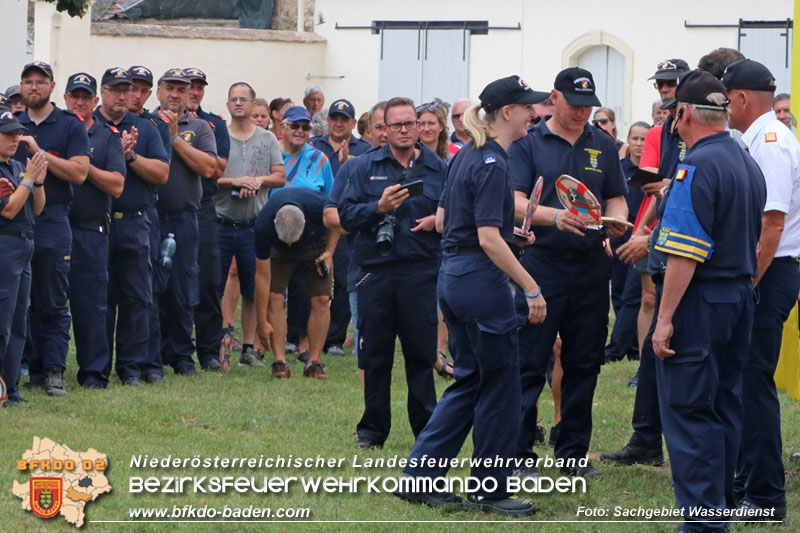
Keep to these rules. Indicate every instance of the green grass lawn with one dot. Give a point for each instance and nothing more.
(247, 414)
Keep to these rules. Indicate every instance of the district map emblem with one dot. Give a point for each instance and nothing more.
(46, 495)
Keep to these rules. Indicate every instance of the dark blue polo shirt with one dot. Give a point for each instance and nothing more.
(162, 125)
(24, 221)
(90, 202)
(672, 153)
(184, 190)
(593, 159)
(223, 140)
(311, 202)
(62, 134)
(138, 194)
(478, 193)
(455, 140)
(355, 148)
(376, 170)
(340, 184)
(713, 211)
(633, 198)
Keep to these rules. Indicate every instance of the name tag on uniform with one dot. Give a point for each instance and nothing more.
(378, 178)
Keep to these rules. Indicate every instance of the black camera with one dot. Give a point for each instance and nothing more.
(384, 238)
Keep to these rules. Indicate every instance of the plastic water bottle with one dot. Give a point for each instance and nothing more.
(168, 250)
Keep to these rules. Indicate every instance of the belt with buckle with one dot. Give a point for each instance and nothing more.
(463, 249)
(22, 234)
(118, 215)
(236, 224)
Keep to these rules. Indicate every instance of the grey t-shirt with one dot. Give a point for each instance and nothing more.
(252, 157)
(183, 189)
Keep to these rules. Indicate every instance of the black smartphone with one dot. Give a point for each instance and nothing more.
(414, 188)
(322, 269)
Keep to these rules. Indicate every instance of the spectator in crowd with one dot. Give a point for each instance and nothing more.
(208, 313)
(277, 107)
(193, 159)
(256, 166)
(606, 120)
(760, 479)
(260, 115)
(782, 110)
(291, 234)
(541, 110)
(17, 212)
(705, 302)
(314, 101)
(569, 261)
(658, 115)
(89, 218)
(459, 137)
(397, 249)
(362, 126)
(14, 95)
(716, 61)
(339, 145)
(433, 129)
(51, 130)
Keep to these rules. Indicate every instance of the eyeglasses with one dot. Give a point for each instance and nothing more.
(457, 116)
(37, 83)
(117, 90)
(237, 99)
(410, 125)
(433, 106)
(296, 126)
(602, 120)
(669, 83)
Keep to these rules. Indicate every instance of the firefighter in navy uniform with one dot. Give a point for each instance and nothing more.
(208, 314)
(709, 227)
(142, 78)
(89, 218)
(568, 260)
(130, 288)
(476, 214)
(398, 250)
(17, 210)
(62, 136)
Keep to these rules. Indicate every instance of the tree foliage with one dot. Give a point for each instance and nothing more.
(75, 8)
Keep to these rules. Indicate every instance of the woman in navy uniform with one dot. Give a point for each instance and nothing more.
(478, 304)
(16, 240)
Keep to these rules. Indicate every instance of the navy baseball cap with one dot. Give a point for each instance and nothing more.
(695, 86)
(195, 74)
(8, 122)
(14, 90)
(138, 72)
(82, 80)
(41, 66)
(175, 74)
(342, 107)
(577, 86)
(5, 103)
(507, 91)
(297, 112)
(670, 69)
(749, 75)
(116, 76)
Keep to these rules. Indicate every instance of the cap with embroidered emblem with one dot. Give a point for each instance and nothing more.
(82, 80)
(670, 69)
(8, 122)
(41, 66)
(176, 75)
(195, 74)
(507, 91)
(577, 86)
(138, 72)
(342, 107)
(295, 113)
(116, 76)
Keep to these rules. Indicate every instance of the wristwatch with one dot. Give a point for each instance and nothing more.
(133, 157)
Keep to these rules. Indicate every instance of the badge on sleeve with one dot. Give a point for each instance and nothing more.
(489, 158)
(680, 175)
(770, 137)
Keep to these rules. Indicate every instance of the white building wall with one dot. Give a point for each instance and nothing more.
(13, 41)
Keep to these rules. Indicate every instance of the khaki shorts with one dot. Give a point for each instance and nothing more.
(284, 263)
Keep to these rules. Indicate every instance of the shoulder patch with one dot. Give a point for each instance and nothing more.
(164, 120)
(489, 158)
(113, 129)
(680, 175)
(770, 137)
(68, 112)
(213, 127)
(221, 118)
(153, 122)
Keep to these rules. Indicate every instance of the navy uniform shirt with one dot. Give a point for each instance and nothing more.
(184, 190)
(478, 193)
(340, 184)
(593, 160)
(162, 125)
(375, 171)
(24, 221)
(138, 194)
(633, 198)
(223, 140)
(311, 203)
(672, 153)
(455, 140)
(713, 211)
(355, 148)
(89, 202)
(61, 134)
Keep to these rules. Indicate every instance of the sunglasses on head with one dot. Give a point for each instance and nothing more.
(433, 106)
(296, 126)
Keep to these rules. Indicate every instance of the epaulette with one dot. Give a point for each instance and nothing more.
(770, 137)
(221, 118)
(213, 127)
(113, 129)
(68, 112)
(489, 158)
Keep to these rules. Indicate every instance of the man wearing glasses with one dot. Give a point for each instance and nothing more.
(256, 166)
(397, 249)
(130, 281)
(62, 138)
(194, 158)
(459, 136)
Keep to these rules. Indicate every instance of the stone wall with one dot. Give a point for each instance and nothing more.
(285, 16)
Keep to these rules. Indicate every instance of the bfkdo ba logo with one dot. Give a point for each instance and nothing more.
(46, 496)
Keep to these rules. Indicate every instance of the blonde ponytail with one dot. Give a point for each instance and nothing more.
(475, 126)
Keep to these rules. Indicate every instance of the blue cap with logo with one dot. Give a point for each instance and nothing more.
(82, 80)
(295, 113)
(577, 86)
